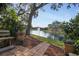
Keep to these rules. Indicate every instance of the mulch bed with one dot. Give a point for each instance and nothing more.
(31, 42)
(54, 51)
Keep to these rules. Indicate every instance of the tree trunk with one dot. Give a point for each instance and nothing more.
(33, 9)
(29, 25)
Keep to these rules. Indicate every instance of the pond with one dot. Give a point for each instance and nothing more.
(47, 35)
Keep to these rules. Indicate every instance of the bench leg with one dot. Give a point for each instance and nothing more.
(10, 42)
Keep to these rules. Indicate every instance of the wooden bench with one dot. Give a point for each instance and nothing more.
(5, 40)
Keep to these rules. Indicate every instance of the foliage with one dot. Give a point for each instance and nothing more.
(71, 28)
(9, 20)
(72, 31)
(77, 46)
(56, 28)
(2, 7)
(32, 10)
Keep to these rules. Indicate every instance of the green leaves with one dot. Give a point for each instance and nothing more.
(72, 31)
(56, 28)
(12, 14)
(10, 19)
(2, 7)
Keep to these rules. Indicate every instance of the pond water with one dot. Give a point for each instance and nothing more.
(46, 34)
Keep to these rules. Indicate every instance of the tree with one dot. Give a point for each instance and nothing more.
(72, 31)
(31, 10)
(10, 21)
(56, 28)
(2, 7)
(71, 28)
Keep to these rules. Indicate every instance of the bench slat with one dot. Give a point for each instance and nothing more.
(4, 38)
(7, 34)
(7, 48)
(4, 31)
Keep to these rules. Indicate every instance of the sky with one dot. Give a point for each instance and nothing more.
(48, 16)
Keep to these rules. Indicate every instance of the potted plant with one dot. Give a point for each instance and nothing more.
(76, 47)
(69, 47)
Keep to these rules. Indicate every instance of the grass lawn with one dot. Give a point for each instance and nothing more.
(50, 41)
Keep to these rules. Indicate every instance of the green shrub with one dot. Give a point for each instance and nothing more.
(77, 46)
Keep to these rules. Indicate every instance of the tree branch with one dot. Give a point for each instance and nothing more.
(36, 8)
(41, 5)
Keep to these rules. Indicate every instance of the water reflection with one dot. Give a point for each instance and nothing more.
(47, 35)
